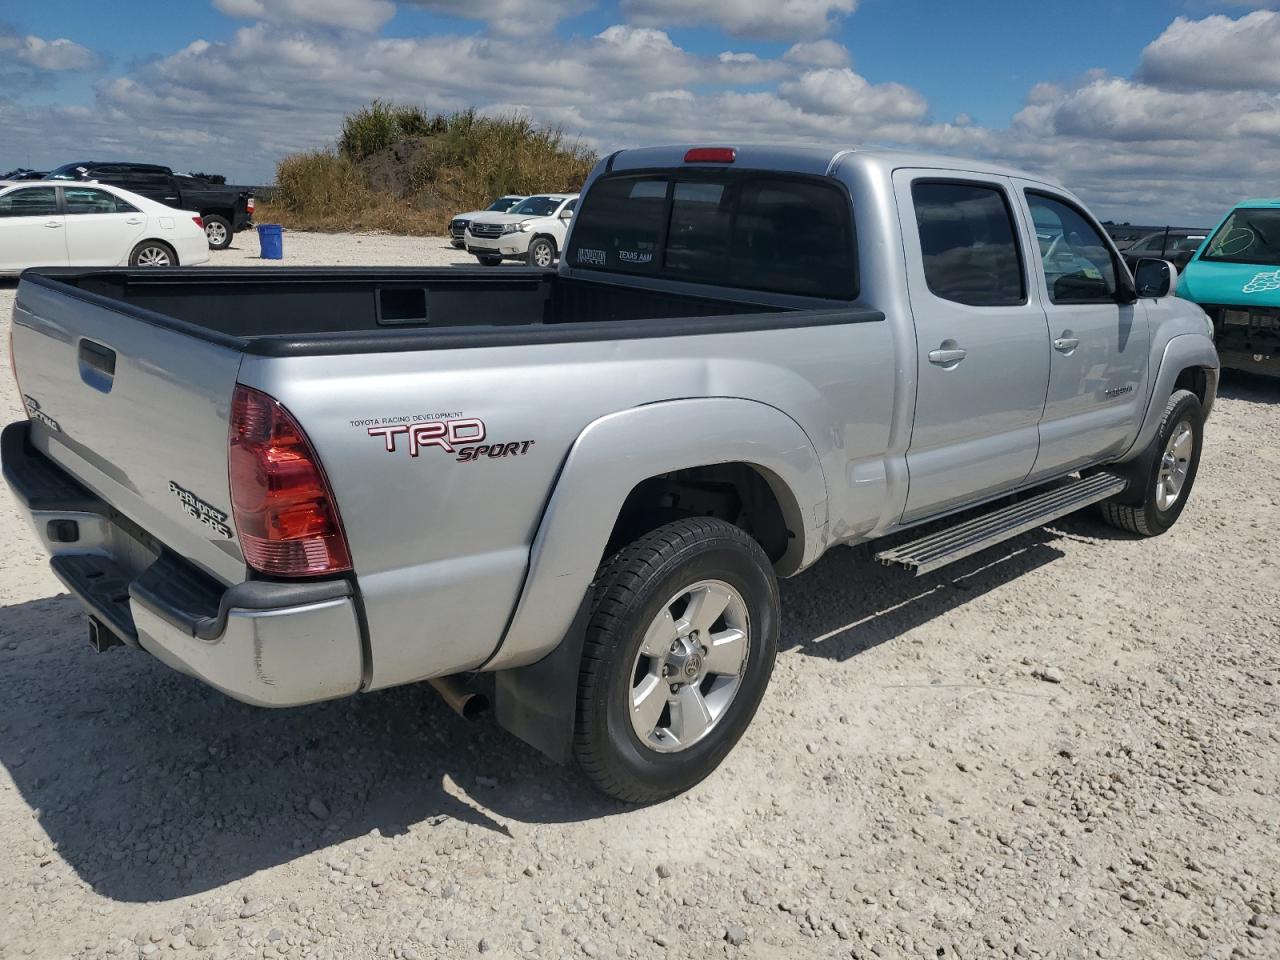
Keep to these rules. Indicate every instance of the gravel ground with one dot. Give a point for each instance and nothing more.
(1063, 748)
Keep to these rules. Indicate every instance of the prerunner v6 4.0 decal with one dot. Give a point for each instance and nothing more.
(462, 437)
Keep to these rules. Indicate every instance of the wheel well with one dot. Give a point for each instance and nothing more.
(158, 242)
(226, 215)
(738, 493)
(1194, 379)
(547, 237)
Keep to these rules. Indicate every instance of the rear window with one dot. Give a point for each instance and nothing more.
(767, 232)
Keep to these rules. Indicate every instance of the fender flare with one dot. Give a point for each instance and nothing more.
(618, 451)
(1180, 353)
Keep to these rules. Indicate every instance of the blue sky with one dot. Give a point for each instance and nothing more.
(1156, 110)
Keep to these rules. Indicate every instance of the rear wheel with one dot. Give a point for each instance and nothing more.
(153, 253)
(678, 653)
(1157, 495)
(542, 252)
(218, 231)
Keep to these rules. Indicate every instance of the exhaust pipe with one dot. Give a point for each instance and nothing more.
(467, 704)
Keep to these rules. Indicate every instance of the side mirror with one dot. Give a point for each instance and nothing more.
(1155, 278)
(566, 214)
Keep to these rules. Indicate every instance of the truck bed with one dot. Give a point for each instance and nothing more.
(307, 311)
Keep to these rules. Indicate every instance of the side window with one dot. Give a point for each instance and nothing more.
(1078, 266)
(31, 202)
(88, 200)
(969, 244)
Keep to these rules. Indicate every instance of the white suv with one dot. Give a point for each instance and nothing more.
(533, 231)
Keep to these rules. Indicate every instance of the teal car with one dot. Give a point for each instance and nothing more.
(1235, 277)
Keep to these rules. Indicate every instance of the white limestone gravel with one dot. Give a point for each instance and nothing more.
(1064, 748)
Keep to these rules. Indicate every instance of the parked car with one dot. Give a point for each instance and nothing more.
(588, 481)
(1235, 277)
(1175, 244)
(458, 225)
(23, 173)
(226, 210)
(51, 223)
(532, 231)
(1125, 235)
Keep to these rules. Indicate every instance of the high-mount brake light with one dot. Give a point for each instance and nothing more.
(284, 509)
(711, 155)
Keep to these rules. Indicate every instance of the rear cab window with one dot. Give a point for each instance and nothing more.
(768, 232)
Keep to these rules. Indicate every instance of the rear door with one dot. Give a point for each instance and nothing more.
(101, 227)
(32, 229)
(1098, 373)
(981, 339)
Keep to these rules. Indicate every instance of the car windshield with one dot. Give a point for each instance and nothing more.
(538, 207)
(501, 205)
(1249, 235)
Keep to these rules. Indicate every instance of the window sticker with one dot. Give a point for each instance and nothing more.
(597, 258)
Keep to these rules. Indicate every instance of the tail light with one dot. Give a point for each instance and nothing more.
(711, 155)
(198, 221)
(248, 206)
(284, 510)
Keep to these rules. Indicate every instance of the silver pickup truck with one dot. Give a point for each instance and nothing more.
(302, 484)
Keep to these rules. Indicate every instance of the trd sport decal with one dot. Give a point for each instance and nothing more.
(464, 438)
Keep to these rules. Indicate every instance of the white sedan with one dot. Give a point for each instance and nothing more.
(47, 224)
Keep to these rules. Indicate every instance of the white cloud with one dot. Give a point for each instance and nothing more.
(509, 17)
(818, 53)
(1216, 53)
(769, 19)
(842, 93)
(52, 55)
(363, 15)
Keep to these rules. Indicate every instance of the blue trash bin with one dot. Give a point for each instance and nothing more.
(271, 241)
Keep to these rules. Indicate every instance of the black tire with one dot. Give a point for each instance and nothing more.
(143, 252)
(630, 591)
(1138, 510)
(489, 261)
(217, 231)
(542, 252)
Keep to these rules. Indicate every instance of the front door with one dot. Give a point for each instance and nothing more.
(981, 339)
(32, 229)
(1098, 373)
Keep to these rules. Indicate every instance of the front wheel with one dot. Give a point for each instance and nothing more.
(217, 231)
(153, 253)
(542, 253)
(678, 653)
(1157, 495)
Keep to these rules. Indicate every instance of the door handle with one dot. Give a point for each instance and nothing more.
(947, 358)
(135, 220)
(1066, 344)
(53, 224)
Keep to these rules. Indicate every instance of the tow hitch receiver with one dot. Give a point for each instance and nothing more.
(100, 636)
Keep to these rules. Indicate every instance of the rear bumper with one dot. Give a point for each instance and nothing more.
(268, 643)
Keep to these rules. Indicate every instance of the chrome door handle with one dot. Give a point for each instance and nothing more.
(53, 224)
(945, 358)
(1066, 344)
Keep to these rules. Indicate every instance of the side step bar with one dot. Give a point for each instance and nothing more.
(938, 549)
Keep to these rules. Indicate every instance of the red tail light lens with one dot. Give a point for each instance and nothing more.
(248, 205)
(284, 511)
(711, 155)
(198, 221)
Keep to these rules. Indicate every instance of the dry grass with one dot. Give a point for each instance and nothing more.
(398, 170)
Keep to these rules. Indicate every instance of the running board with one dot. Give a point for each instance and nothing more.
(938, 549)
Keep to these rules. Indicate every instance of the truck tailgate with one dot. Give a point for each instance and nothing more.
(136, 412)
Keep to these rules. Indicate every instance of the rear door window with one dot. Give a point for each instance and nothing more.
(88, 200)
(969, 244)
(746, 230)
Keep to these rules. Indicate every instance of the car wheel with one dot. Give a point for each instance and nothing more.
(542, 252)
(218, 231)
(1157, 495)
(677, 655)
(490, 261)
(153, 253)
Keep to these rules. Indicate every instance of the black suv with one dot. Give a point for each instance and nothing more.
(226, 210)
